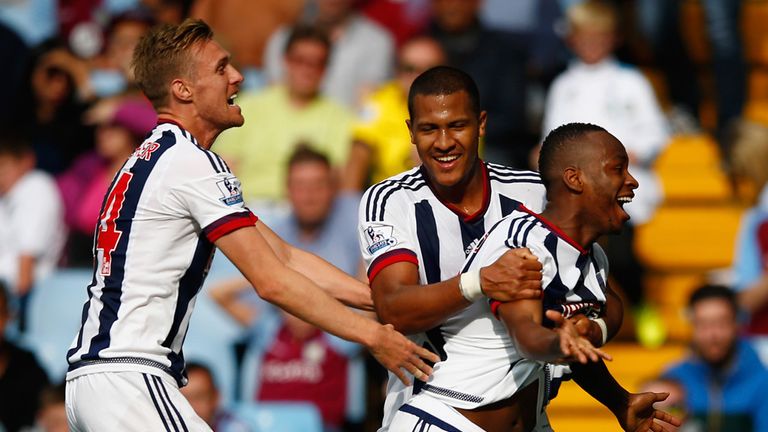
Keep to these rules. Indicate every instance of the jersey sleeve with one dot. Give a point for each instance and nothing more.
(384, 231)
(601, 258)
(215, 202)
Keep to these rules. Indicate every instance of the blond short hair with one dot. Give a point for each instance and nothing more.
(593, 15)
(749, 152)
(164, 54)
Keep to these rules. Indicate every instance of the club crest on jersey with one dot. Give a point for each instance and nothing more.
(145, 150)
(379, 236)
(230, 191)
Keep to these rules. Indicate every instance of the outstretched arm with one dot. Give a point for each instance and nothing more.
(335, 282)
(536, 342)
(412, 308)
(634, 411)
(279, 284)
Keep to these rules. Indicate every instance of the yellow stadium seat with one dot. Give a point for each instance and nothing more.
(574, 410)
(689, 238)
(689, 151)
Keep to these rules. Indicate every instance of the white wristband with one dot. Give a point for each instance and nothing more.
(469, 284)
(603, 329)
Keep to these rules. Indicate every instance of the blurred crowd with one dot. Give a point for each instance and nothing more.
(325, 102)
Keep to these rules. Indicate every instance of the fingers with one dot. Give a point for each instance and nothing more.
(667, 418)
(660, 396)
(402, 376)
(426, 354)
(556, 317)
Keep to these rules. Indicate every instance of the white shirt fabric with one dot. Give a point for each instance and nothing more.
(168, 204)
(401, 219)
(361, 59)
(621, 100)
(482, 365)
(31, 223)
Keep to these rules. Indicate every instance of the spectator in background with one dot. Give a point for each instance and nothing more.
(170, 11)
(203, 395)
(85, 184)
(49, 110)
(245, 26)
(382, 146)
(596, 88)
(749, 158)
(21, 377)
(404, 19)
(723, 378)
(498, 65)
(659, 21)
(11, 75)
(108, 74)
(52, 414)
(362, 53)
(322, 222)
(282, 116)
(32, 230)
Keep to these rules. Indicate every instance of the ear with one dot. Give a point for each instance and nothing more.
(180, 90)
(481, 126)
(573, 179)
(410, 131)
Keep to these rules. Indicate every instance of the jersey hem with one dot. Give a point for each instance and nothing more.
(123, 367)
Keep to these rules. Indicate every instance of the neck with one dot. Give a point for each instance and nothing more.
(299, 100)
(203, 133)
(571, 223)
(308, 231)
(467, 195)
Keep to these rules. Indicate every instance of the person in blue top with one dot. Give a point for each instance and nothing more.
(724, 380)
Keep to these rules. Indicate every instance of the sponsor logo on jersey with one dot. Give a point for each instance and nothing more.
(379, 236)
(230, 191)
(145, 150)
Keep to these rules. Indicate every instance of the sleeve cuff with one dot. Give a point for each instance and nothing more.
(495, 307)
(389, 258)
(229, 223)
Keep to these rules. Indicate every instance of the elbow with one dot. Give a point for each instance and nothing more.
(400, 322)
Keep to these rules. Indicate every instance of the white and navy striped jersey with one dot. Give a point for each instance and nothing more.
(481, 364)
(401, 219)
(152, 249)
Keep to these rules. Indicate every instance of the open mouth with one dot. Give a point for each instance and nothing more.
(231, 100)
(446, 159)
(622, 200)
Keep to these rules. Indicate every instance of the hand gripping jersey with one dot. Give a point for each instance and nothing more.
(401, 219)
(153, 245)
(481, 364)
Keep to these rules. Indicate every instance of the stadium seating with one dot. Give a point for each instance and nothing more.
(54, 315)
(283, 417)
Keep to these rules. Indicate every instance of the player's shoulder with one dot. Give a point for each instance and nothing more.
(508, 175)
(187, 153)
(521, 228)
(396, 190)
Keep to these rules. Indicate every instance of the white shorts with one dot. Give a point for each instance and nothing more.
(424, 413)
(129, 401)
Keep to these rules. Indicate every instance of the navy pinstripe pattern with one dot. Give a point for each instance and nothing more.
(112, 290)
(154, 401)
(189, 285)
(427, 420)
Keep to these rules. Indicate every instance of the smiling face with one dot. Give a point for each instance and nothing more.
(446, 132)
(608, 185)
(215, 83)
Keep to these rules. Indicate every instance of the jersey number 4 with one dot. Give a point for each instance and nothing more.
(108, 235)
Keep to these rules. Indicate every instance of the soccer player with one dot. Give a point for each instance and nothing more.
(416, 228)
(173, 202)
(494, 373)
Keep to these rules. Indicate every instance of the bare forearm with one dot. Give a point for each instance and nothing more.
(343, 287)
(338, 284)
(597, 381)
(755, 297)
(417, 308)
(531, 339)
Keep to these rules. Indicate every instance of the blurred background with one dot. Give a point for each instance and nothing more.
(682, 83)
